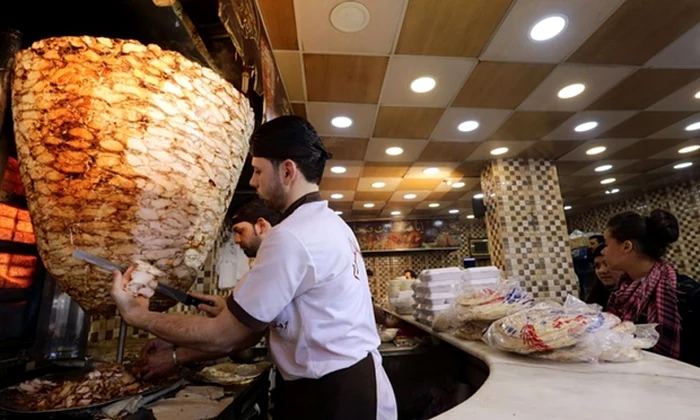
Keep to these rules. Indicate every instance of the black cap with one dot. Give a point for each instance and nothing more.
(254, 209)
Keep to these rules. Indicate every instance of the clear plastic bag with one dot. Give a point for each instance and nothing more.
(491, 304)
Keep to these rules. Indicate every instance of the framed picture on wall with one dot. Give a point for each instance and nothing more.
(479, 247)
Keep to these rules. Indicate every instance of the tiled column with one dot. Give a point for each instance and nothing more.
(526, 226)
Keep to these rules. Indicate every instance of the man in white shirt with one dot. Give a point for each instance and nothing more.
(309, 285)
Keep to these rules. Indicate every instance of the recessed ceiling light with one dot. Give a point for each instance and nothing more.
(692, 127)
(458, 184)
(341, 122)
(410, 196)
(603, 168)
(587, 126)
(394, 151)
(434, 205)
(431, 171)
(470, 216)
(499, 151)
(613, 191)
(395, 213)
(378, 184)
(697, 95)
(454, 211)
(596, 150)
(571, 91)
(683, 165)
(466, 126)
(608, 181)
(338, 212)
(689, 149)
(368, 205)
(336, 196)
(423, 84)
(548, 28)
(338, 169)
(350, 17)
(567, 207)
(478, 196)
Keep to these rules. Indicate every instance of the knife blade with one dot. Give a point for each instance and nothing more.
(181, 296)
(97, 261)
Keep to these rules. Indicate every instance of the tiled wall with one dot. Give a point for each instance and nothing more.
(527, 228)
(683, 200)
(387, 266)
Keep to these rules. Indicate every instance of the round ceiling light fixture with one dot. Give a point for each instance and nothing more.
(338, 212)
(467, 126)
(339, 169)
(336, 196)
(603, 168)
(454, 211)
(423, 84)
(587, 126)
(683, 165)
(595, 150)
(571, 90)
(459, 184)
(341, 122)
(394, 151)
(470, 216)
(396, 213)
(378, 184)
(368, 205)
(548, 28)
(613, 191)
(693, 127)
(608, 181)
(478, 196)
(350, 17)
(697, 95)
(689, 149)
(431, 171)
(499, 151)
(410, 196)
(434, 205)
(567, 207)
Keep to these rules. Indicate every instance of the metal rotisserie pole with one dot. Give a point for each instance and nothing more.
(122, 340)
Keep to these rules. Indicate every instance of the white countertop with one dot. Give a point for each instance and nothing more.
(655, 388)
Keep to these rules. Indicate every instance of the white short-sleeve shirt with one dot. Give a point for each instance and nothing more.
(309, 284)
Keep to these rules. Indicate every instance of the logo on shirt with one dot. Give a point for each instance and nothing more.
(357, 255)
(280, 325)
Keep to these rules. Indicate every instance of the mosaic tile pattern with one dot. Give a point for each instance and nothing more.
(390, 266)
(683, 200)
(527, 228)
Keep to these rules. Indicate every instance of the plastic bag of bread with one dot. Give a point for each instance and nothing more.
(492, 304)
(622, 343)
(472, 331)
(546, 326)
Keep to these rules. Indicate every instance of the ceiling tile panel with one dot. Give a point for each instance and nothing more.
(645, 124)
(299, 109)
(644, 88)
(678, 130)
(353, 168)
(611, 145)
(501, 85)
(392, 122)
(445, 169)
(643, 165)
(320, 115)
(512, 43)
(570, 167)
(681, 100)
(637, 31)
(318, 34)
(488, 119)
(604, 119)
(681, 53)
(391, 183)
(448, 72)
(376, 150)
(530, 125)
(431, 27)
(596, 79)
(416, 184)
(550, 150)
(447, 151)
(373, 195)
(344, 78)
(470, 168)
(346, 148)
(280, 23)
(398, 196)
(289, 64)
(348, 196)
(338, 184)
(379, 170)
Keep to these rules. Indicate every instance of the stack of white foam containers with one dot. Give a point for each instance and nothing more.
(435, 291)
(480, 277)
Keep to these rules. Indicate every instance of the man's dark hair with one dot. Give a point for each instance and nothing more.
(598, 252)
(291, 137)
(254, 209)
(599, 238)
(411, 273)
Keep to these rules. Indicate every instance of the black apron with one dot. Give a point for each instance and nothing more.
(346, 394)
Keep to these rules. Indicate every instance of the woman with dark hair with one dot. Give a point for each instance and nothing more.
(646, 293)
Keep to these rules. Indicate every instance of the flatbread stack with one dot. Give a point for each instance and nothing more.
(490, 305)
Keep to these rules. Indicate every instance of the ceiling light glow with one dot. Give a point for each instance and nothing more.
(459, 184)
(567, 207)
(470, 216)
(603, 168)
(613, 191)
(499, 151)
(692, 127)
(410, 196)
(378, 184)
(689, 149)
(548, 28)
(587, 126)
(608, 181)
(341, 122)
(339, 169)
(396, 213)
(338, 212)
(423, 84)
(466, 126)
(478, 196)
(434, 205)
(596, 150)
(683, 165)
(368, 205)
(431, 171)
(336, 196)
(571, 91)
(394, 151)
(454, 211)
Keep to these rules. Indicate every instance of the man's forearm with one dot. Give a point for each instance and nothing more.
(191, 331)
(186, 355)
